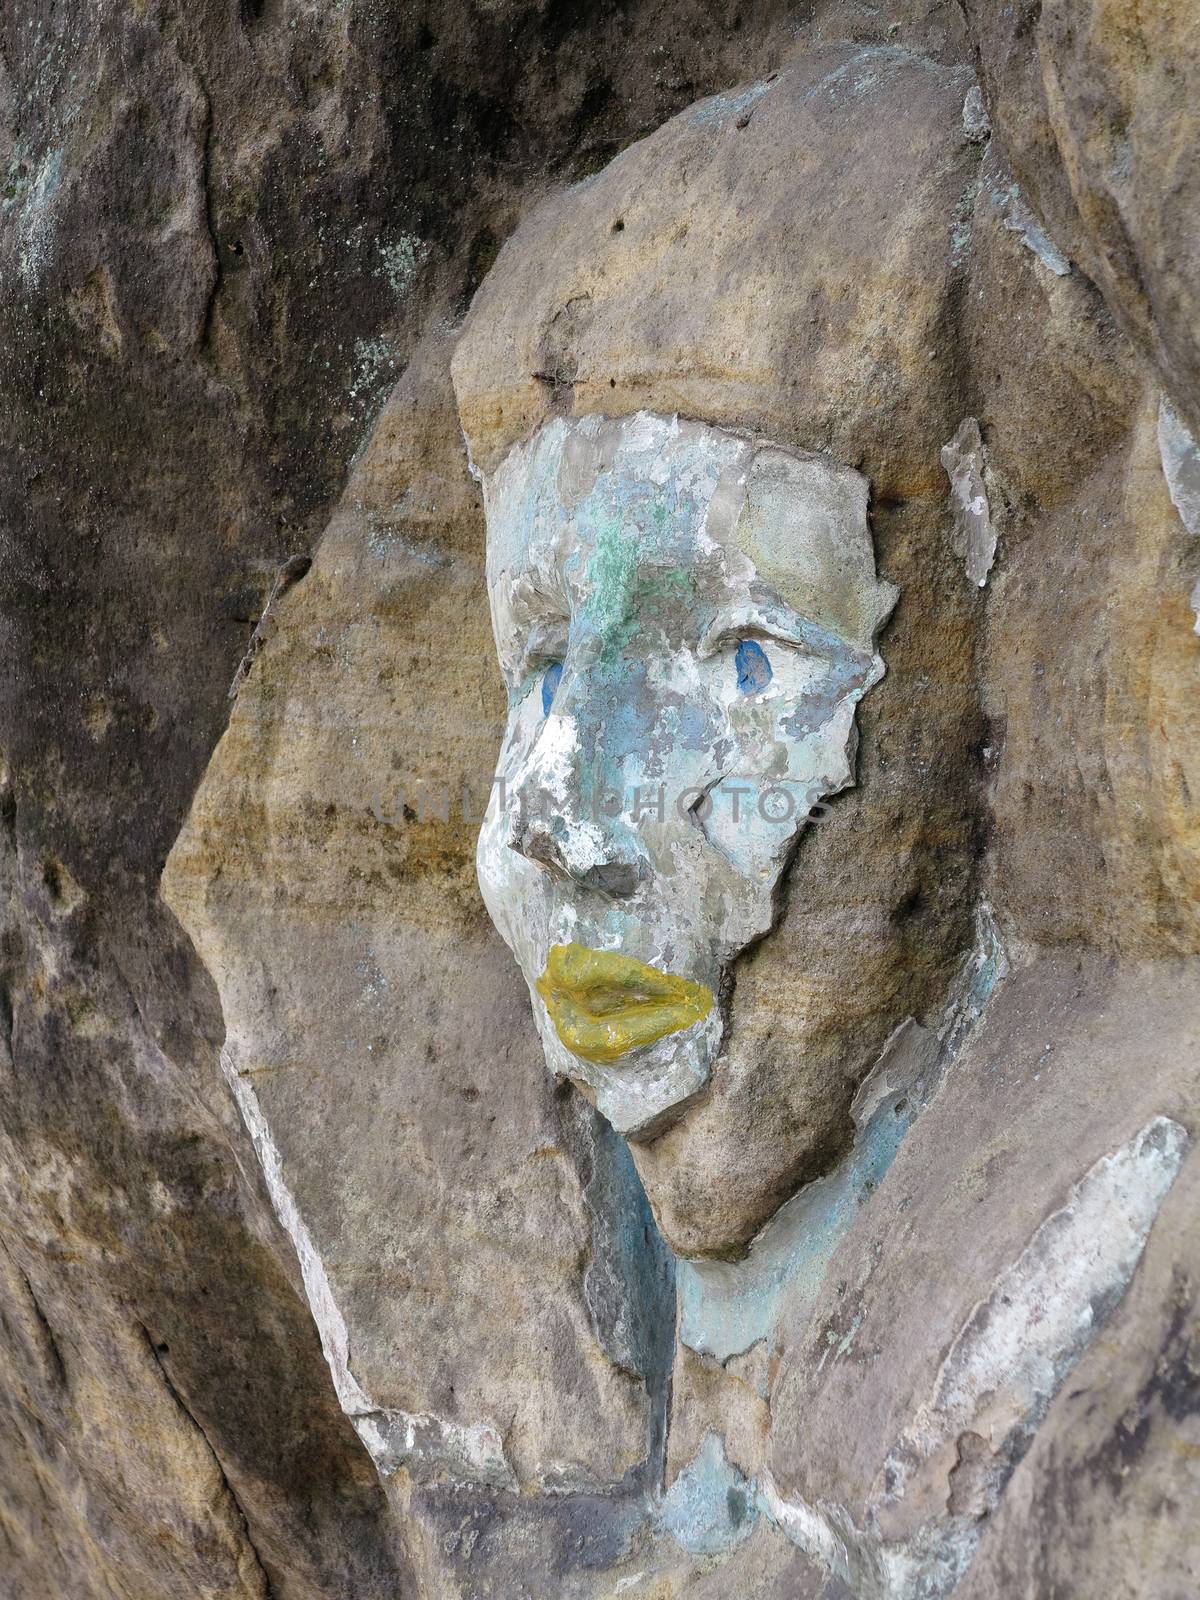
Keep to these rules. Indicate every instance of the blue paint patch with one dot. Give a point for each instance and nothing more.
(550, 682)
(630, 1283)
(753, 668)
(625, 718)
(694, 729)
(710, 1507)
(726, 1307)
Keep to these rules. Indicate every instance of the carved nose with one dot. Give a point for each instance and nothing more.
(599, 859)
(555, 823)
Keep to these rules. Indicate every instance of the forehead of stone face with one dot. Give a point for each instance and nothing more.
(660, 520)
(781, 259)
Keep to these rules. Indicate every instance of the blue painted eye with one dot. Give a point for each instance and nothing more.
(753, 668)
(550, 680)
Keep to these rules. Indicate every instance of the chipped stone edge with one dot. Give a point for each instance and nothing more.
(964, 460)
(1180, 457)
(427, 1445)
(976, 125)
(1019, 218)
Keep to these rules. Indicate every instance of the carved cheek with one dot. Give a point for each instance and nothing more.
(691, 743)
(755, 727)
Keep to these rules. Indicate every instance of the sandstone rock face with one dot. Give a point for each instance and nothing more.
(938, 1410)
(1093, 105)
(222, 229)
(315, 1281)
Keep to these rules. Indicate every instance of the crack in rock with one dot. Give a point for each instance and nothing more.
(264, 1580)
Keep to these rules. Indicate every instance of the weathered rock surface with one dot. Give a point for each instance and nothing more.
(1093, 103)
(899, 1402)
(222, 226)
(224, 234)
(839, 353)
(444, 1194)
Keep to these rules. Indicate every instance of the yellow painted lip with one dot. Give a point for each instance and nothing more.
(604, 1004)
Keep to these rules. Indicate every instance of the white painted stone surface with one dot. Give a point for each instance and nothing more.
(649, 804)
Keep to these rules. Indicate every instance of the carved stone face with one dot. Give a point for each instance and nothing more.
(686, 620)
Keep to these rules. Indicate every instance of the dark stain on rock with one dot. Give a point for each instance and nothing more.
(1172, 1390)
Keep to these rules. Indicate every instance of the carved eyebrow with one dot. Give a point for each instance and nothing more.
(780, 622)
(531, 622)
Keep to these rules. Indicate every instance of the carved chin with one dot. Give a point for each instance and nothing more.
(647, 1086)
